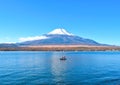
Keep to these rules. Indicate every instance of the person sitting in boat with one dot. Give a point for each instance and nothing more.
(63, 58)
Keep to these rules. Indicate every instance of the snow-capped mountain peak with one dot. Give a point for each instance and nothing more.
(60, 31)
(57, 37)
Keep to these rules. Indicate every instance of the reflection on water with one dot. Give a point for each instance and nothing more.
(58, 68)
(43, 68)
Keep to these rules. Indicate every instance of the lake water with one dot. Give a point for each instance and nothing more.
(45, 68)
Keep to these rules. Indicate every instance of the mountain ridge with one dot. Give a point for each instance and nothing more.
(60, 37)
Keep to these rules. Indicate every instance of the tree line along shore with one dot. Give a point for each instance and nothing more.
(62, 48)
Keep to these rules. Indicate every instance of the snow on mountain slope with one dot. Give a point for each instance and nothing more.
(55, 37)
(60, 31)
(58, 37)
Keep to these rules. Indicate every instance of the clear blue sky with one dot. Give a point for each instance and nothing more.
(95, 19)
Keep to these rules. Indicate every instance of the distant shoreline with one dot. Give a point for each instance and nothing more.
(62, 48)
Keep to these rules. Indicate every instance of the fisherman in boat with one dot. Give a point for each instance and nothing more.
(63, 58)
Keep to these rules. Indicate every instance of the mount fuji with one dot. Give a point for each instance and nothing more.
(57, 37)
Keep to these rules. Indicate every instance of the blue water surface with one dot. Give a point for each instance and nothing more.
(45, 68)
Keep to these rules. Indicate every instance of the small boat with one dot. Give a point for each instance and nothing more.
(63, 58)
